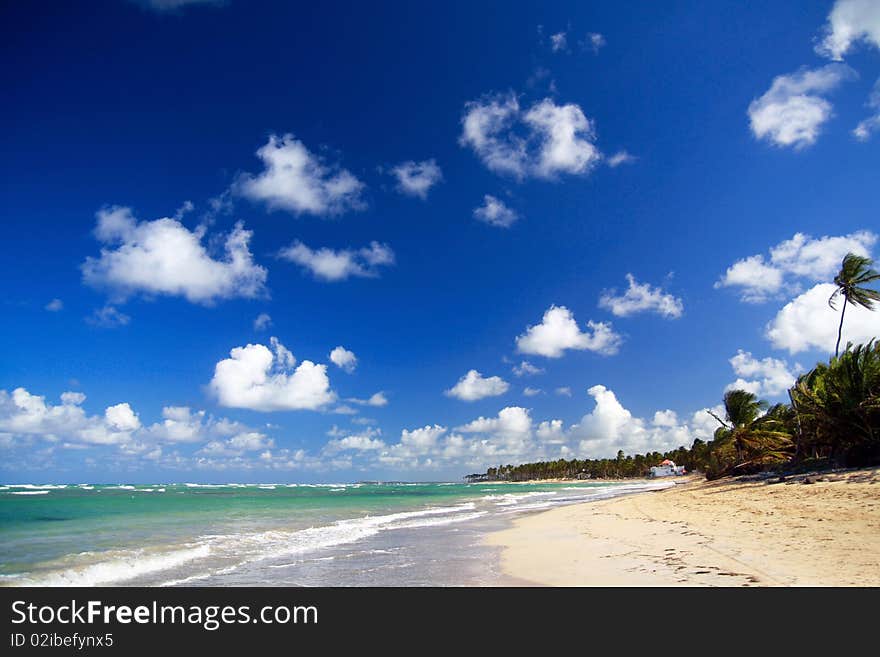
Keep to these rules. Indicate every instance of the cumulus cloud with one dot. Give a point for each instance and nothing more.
(473, 386)
(525, 368)
(558, 41)
(365, 441)
(767, 377)
(417, 178)
(867, 127)
(545, 141)
(23, 414)
(566, 139)
(262, 322)
(760, 278)
(180, 424)
(495, 213)
(563, 391)
(641, 297)
(298, 181)
(329, 265)
(610, 426)
(594, 42)
(26, 418)
(793, 110)
(558, 332)
(264, 378)
(164, 257)
(531, 392)
(344, 359)
(122, 418)
(510, 431)
(850, 22)
(376, 400)
(108, 317)
(621, 157)
(807, 323)
(238, 445)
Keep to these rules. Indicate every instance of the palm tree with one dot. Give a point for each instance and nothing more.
(855, 273)
(749, 436)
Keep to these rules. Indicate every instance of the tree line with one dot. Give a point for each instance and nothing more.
(832, 417)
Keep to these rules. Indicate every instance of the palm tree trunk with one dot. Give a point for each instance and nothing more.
(840, 328)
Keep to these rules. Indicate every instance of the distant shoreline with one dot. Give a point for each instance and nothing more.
(722, 533)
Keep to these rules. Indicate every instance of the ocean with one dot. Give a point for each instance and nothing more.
(362, 534)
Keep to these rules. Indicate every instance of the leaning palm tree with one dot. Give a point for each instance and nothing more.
(855, 273)
(750, 434)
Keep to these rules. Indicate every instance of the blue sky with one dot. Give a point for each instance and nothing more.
(643, 202)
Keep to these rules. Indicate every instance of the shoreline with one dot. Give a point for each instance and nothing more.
(699, 533)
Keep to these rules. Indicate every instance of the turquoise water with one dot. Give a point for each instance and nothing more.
(264, 534)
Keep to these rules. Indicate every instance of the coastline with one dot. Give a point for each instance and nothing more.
(699, 533)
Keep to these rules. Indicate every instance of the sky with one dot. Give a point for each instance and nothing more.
(300, 242)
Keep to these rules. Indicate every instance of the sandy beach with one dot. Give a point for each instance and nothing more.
(698, 533)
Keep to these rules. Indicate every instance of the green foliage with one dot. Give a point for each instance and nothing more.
(851, 281)
(838, 405)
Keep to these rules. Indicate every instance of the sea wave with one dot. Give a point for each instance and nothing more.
(116, 566)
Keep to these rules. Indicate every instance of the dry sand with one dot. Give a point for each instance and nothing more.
(723, 533)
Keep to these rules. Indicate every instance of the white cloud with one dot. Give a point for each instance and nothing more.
(298, 181)
(264, 379)
(610, 427)
(27, 416)
(566, 139)
(665, 418)
(595, 41)
(366, 441)
(760, 278)
(865, 128)
(849, 22)
(641, 298)
(180, 424)
(377, 400)
(329, 265)
(495, 213)
(621, 157)
(558, 41)
(558, 331)
(164, 257)
(768, 377)
(703, 425)
(531, 392)
(525, 368)
(108, 317)
(486, 129)
(512, 427)
(238, 445)
(473, 386)
(545, 141)
(55, 305)
(122, 417)
(344, 359)
(417, 178)
(74, 398)
(262, 322)
(792, 111)
(563, 391)
(807, 322)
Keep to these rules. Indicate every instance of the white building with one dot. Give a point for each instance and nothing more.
(667, 468)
